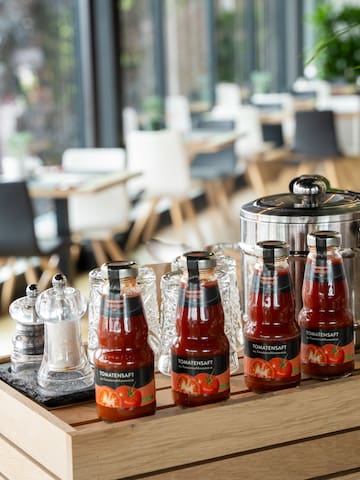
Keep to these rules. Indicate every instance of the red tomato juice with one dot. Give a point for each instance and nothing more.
(201, 350)
(124, 361)
(326, 322)
(272, 336)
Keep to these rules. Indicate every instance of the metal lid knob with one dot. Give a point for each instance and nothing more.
(310, 187)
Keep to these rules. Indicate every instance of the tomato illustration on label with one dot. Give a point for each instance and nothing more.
(107, 397)
(334, 354)
(187, 384)
(281, 366)
(314, 354)
(261, 368)
(209, 384)
(130, 397)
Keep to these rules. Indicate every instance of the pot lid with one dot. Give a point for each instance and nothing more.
(309, 196)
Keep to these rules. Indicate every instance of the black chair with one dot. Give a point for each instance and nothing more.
(315, 147)
(315, 150)
(315, 134)
(273, 133)
(18, 240)
(315, 137)
(216, 170)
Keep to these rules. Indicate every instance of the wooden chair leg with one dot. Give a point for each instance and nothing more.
(229, 183)
(49, 269)
(222, 199)
(331, 171)
(150, 225)
(191, 215)
(8, 287)
(253, 173)
(30, 273)
(139, 226)
(213, 205)
(113, 249)
(210, 195)
(75, 250)
(99, 252)
(177, 219)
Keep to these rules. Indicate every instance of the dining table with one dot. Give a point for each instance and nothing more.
(58, 185)
(209, 141)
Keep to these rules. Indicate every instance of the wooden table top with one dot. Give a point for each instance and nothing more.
(208, 141)
(58, 184)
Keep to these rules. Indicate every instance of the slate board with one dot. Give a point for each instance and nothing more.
(31, 389)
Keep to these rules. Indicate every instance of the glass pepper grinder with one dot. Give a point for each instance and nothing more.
(28, 341)
(65, 367)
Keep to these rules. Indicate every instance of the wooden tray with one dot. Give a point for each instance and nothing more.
(312, 431)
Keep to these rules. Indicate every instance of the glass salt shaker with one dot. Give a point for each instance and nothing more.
(65, 367)
(28, 341)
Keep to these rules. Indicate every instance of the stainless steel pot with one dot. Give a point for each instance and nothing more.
(310, 205)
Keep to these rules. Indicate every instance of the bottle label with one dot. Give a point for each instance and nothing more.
(125, 388)
(272, 360)
(270, 282)
(200, 376)
(327, 347)
(122, 306)
(322, 272)
(194, 296)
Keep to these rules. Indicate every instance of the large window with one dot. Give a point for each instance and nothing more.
(188, 49)
(259, 43)
(39, 95)
(165, 50)
(232, 41)
(50, 49)
(139, 43)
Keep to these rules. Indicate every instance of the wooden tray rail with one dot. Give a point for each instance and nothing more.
(311, 431)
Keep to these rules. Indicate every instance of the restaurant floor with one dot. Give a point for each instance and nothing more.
(214, 227)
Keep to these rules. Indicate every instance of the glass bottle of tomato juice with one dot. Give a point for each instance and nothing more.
(124, 361)
(271, 334)
(326, 320)
(200, 370)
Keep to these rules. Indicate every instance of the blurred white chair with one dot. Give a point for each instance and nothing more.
(247, 123)
(162, 158)
(177, 113)
(250, 147)
(130, 120)
(99, 216)
(320, 88)
(227, 94)
(15, 168)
